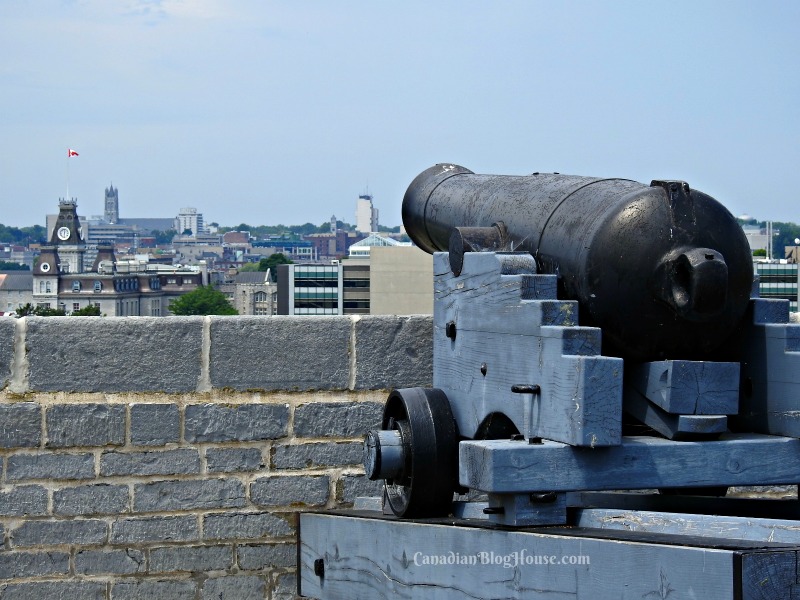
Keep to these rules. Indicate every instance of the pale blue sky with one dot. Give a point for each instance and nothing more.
(272, 112)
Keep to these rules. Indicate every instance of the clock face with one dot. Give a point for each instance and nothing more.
(45, 267)
(63, 233)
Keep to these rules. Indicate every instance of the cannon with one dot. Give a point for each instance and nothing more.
(590, 336)
(672, 256)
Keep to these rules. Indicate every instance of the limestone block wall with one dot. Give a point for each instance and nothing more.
(169, 457)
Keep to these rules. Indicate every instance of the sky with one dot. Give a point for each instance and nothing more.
(268, 112)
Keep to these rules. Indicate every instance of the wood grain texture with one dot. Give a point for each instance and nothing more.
(688, 387)
(509, 330)
(637, 463)
(672, 426)
(770, 395)
(380, 559)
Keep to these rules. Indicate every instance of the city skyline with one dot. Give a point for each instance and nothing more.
(286, 113)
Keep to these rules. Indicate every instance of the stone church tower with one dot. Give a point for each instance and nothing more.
(111, 214)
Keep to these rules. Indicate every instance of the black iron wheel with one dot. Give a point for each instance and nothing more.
(430, 439)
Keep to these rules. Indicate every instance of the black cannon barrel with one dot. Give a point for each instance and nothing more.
(664, 270)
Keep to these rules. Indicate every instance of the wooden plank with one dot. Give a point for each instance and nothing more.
(715, 526)
(504, 338)
(688, 387)
(671, 426)
(770, 396)
(382, 559)
(637, 463)
(769, 575)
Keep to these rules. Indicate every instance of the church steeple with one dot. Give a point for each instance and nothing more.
(111, 214)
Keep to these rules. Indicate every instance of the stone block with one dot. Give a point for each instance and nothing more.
(85, 425)
(20, 424)
(230, 460)
(244, 526)
(23, 500)
(282, 346)
(154, 529)
(147, 589)
(300, 490)
(7, 332)
(181, 461)
(337, 419)
(49, 466)
(191, 558)
(56, 533)
(188, 495)
(101, 499)
(234, 587)
(155, 424)
(350, 487)
(266, 556)
(326, 454)
(16, 565)
(160, 354)
(238, 423)
(55, 590)
(109, 562)
(394, 352)
(285, 587)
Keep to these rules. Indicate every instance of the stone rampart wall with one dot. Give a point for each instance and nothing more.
(169, 457)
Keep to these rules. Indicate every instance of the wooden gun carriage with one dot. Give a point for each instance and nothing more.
(590, 336)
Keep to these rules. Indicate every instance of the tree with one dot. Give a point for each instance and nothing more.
(271, 262)
(26, 310)
(12, 266)
(92, 310)
(205, 300)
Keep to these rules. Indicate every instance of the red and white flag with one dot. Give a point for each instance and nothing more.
(71, 152)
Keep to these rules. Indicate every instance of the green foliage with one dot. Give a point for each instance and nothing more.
(271, 262)
(760, 252)
(164, 237)
(205, 300)
(248, 267)
(784, 235)
(25, 310)
(92, 310)
(12, 266)
(23, 236)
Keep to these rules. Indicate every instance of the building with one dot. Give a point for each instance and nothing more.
(60, 278)
(391, 278)
(777, 279)
(189, 222)
(16, 289)
(366, 214)
(251, 292)
(401, 281)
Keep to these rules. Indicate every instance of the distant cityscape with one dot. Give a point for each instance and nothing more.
(135, 266)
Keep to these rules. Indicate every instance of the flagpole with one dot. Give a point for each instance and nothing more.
(68, 157)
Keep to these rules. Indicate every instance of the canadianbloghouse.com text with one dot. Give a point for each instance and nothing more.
(518, 558)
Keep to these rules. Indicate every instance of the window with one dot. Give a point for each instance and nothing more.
(98, 286)
(76, 306)
(47, 287)
(76, 286)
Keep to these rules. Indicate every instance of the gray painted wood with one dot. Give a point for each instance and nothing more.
(380, 559)
(509, 322)
(672, 426)
(770, 395)
(769, 575)
(714, 526)
(638, 463)
(688, 387)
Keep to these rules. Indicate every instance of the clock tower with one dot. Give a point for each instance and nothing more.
(68, 238)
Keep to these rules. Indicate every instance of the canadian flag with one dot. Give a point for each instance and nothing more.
(71, 152)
